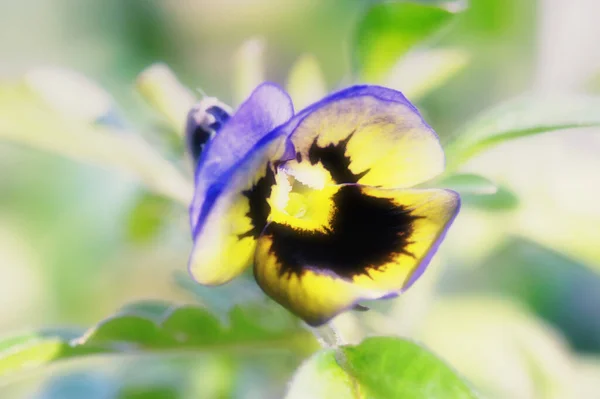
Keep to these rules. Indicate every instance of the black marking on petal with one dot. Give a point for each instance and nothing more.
(259, 207)
(298, 157)
(333, 158)
(366, 233)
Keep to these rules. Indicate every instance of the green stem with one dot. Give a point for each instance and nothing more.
(328, 336)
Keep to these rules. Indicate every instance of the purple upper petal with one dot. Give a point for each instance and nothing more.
(382, 93)
(369, 135)
(267, 107)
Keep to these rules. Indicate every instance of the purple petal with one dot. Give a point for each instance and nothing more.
(267, 108)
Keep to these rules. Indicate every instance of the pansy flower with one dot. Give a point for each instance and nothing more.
(319, 202)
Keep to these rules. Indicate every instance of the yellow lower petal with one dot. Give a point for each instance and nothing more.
(313, 296)
(379, 243)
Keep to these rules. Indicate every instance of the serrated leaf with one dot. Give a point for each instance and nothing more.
(128, 332)
(151, 309)
(522, 117)
(156, 327)
(379, 367)
(389, 30)
(194, 326)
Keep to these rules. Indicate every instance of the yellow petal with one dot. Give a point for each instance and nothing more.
(379, 242)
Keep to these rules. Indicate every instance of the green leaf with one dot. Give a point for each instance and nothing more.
(468, 184)
(128, 332)
(30, 354)
(389, 30)
(192, 325)
(151, 309)
(522, 117)
(379, 367)
(503, 199)
(16, 340)
(150, 392)
(420, 72)
(158, 327)
(34, 347)
(322, 377)
(478, 192)
(387, 367)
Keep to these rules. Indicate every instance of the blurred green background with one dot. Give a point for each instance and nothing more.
(513, 301)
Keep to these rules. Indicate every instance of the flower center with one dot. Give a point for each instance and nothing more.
(302, 198)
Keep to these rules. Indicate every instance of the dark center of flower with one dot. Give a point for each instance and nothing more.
(365, 233)
(316, 223)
